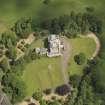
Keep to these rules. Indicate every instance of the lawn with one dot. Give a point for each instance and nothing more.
(38, 75)
(42, 73)
(84, 45)
(46, 73)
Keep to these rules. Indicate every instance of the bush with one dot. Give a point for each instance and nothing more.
(80, 58)
(47, 91)
(63, 90)
(74, 80)
(37, 95)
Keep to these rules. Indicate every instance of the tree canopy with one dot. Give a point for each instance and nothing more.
(80, 58)
(23, 27)
(14, 87)
(9, 38)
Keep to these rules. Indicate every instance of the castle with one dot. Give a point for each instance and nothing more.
(54, 48)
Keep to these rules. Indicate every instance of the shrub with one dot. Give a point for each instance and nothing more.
(80, 58)
(63, 90)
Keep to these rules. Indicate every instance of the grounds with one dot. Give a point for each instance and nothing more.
(46, 72)
(10, 12)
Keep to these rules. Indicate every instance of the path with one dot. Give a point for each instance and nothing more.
(65, 58)
(97, 41)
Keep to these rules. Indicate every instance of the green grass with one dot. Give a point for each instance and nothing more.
(12, 10)
(37, 74)
(85, 45)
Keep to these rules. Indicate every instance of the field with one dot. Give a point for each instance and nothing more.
(86, 46)
(42, 73)
(12, 10)
(46, 72)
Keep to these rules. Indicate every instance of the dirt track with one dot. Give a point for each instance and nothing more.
(65, 58)
(97, 41)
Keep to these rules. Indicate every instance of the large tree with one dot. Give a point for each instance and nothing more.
(23, 27)
(80, 58)
(72, 29)
(37, 95)
(14, 87)
(9, 38)
(46, 2)
(12, 53)
(4, 64)
(98, 76)
(55, 27)
(1, 74)
(54, 103)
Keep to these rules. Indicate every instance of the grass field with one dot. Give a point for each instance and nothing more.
(84, 45)
(38, 76)
(42, 73)
(12, 10)
(46, 72)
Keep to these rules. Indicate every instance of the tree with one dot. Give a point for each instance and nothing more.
(54, 103)
(72, 97)
(85, 93)
(1, 52)
(1, 74)
(72, 29)
(43, 102)
(23, 27)
(79, 101)
(55, 27)
(46, 25)
(63, 90)
(19, 91)
(85, 27)
(80, 58)
(79, 19)
(14, 87)
(74, 80)
(90, 9)
(46, 2)
(37, 95)
(12, 53)
(9, 38)
(98, 76)
(95, 24)
(63, 22)
(48, 91)
(4, 64)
